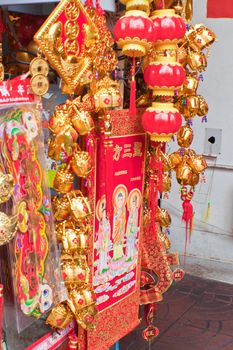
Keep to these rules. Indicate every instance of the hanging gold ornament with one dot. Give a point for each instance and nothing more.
(185, 136)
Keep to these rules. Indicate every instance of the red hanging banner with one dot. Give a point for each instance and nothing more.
(219, 9)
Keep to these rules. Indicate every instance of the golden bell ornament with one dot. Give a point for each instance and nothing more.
(167, 182)
(203, 106)
(82, 121)
(163, 217)
(61, 208)
(184, 174)
(80, 207)
(81, 164)
(175, 159)
(60, 317)
(63, 181)
(197, 61)
(185, 136)
(6, 187)
(190, 85)
(197, 163)
(59, 119)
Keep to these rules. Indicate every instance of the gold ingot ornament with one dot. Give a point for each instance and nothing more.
(63, 181)
(190, 85)
(82, 121)
(80, 207)
(197, 163)
(197, 61)
(184, 174)
(60, 317)
(163, 217)
(81, 164)
(175, 159)
(61, 208)
(185, 136)
(59, 119)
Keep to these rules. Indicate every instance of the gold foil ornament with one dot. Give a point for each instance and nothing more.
(64, 143)
(81, 164)
(61, 208)
(163, 217)
(59, 119)
(8, 228)
(74, 272)
(60, 317)
(197, 61)
(6, 187)
(106, 93)
(203, 108)
(63, 181)
(184, 174)
(185, 136)
(200, 37)
(80, 207)
(175, 159)
(82, 121)
(195, 180)
(190, 85)
(197, 163)
(167, 182)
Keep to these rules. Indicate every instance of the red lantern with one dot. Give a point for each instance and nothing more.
(134, 33)
(171, 28)
(164, 76)
(161, 121)
(142, 5)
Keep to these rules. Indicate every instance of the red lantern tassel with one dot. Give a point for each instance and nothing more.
(187, 217)
(132, 108)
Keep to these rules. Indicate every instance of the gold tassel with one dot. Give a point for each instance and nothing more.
(189, 10)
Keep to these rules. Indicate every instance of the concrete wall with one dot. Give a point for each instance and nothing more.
(211, 249)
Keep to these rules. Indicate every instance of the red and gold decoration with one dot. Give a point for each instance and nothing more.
(111, 167)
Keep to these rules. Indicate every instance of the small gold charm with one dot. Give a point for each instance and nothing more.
(39, 84)
(1, 72)
(39, 66)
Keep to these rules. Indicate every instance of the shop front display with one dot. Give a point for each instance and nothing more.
(83, 231)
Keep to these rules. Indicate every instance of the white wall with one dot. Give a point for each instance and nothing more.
(211, 249)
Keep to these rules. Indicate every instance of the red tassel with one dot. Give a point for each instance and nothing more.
(188, 218)
(132, 108)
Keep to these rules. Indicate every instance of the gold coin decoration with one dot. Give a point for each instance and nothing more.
(39, 66)
(39, 84)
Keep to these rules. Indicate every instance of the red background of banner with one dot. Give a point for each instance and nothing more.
(220, 9)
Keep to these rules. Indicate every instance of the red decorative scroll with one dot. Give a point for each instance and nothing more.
(116, 238)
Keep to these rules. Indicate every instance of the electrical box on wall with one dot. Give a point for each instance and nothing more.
(213, 141)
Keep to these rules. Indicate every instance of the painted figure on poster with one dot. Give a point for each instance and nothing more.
(103, 237)
(119, 221)
(134, 202)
